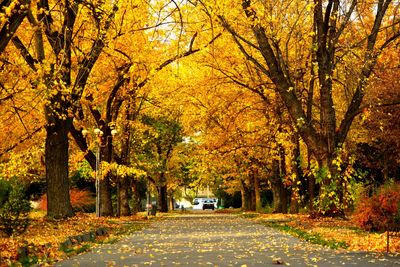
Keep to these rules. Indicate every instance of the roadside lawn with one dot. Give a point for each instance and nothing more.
(41, 243)
(332, 232)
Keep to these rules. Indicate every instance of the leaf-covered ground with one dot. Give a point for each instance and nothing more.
(202, 239)
(44, 236)
(340, 230)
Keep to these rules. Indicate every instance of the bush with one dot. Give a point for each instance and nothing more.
(14, 210)
(380, 211)
(81, 200)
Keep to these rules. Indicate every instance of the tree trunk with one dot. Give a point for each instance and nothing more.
(162, 198)
(243, 197)
(311, 185)
(171, 203)
(106, 208)
(257, 193)
(295, 192)
(252, 199)
(135, 196)
(123, 197)
(279, 191)
(56, 160)
(246, 196)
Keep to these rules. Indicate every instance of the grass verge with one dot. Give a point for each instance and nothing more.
(313, 238)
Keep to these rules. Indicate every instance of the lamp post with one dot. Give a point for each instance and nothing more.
(99, 133)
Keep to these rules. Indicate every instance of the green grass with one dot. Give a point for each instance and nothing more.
(249, 215)
(313, 238)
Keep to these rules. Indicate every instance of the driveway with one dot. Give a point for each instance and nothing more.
(219, 240)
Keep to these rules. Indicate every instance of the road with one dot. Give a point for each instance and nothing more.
(219, 240)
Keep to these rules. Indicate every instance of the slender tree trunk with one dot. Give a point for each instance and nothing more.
(243, 197)
(252, 197)
(311, 186)
(257, 193)
(295, 196)
(56, 160)
(285, 193)
(171, 203)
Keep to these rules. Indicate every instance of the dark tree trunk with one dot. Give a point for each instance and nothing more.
(252, 197)
(257, 193)
(246, 196)
(295, 193)
(162, 198)
(135, 196)
(279, 191)
(243, 197)
(56, 158)
(311, 186)
(123, 197)
(106, 208)
(13, 22)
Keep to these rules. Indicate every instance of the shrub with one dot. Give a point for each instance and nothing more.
(380, 211)
(14, 210)
(81, 200)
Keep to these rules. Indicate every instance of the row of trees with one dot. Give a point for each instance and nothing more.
(265, 93)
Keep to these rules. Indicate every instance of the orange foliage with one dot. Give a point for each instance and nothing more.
(379, 211)
(80, 199)
(46, 235)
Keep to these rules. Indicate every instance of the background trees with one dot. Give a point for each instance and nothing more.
(271, 88)
(305, 56)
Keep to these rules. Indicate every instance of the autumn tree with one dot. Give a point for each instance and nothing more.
(159, 150)
(304, 56)
(52, 60)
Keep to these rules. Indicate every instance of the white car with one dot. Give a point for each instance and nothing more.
(198, 203)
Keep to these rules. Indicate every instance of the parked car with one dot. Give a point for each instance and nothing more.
(208, 204)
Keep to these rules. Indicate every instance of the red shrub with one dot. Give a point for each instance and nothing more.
(80, 200)
(378, 212)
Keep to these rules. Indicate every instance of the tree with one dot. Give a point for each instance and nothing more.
(159, 150)
(56, 79)
(328, 28)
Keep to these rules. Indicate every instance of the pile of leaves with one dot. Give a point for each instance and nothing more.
(335, 231)
(46, 235)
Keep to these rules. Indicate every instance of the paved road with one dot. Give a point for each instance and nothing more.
(218, 240)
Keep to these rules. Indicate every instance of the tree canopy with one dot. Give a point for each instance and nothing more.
(297, 97)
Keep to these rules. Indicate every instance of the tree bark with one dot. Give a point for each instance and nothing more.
(123, 197)
(162, 198)
(311, 185)
(13, 22)
(56, 160)
(257, 193)
(135, 196)
(171, 203)
(252, 194)
(279, 191)
(106, 208)
(295, 191)
(246, 196)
